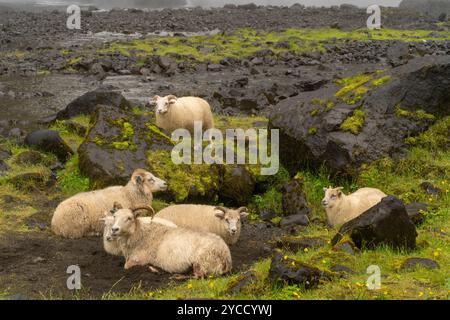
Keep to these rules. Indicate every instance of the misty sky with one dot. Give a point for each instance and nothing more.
(362, 3)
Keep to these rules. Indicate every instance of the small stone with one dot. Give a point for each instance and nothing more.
(430, 189)
(411, 263)
(296, 219)
(296, 244)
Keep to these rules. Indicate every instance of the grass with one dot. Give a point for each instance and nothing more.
(70, 180)
(428, 161)
(246, 42)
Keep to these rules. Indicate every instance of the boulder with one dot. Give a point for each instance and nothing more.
(416, 212)
(294, 272)
(87, 103)
(387, 223)
(117, 144)
(237, 185)
(362, 118)
(29, 157)
(294, 199)
(49, 141)
(121, 141)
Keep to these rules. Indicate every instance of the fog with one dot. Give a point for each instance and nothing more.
(204, 3)
(361, 3)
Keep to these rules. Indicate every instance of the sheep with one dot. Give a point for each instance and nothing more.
(342, 208)
(80, 215)
(110, 243)
(174, 250)
(221, 221)
(174, 113)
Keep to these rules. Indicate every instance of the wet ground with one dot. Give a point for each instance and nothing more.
(34, 265)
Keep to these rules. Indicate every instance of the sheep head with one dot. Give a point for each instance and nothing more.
(162, 104)
(332, 196)
(124, 223)
(230, 218)
(147, 182)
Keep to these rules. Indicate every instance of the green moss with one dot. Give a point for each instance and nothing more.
(126, 135)
(314, 112)
(196, 180)
(123, 145)
(312, 131)
(351, 83)
(354, 123)
(270, 201)
(380, 81)
(417, 115)
(243, 43)
(43, 72)
(70, 180)
(435, 138)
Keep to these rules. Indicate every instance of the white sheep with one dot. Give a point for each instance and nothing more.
(342, 208)
(110, 243)
(174, 250)
(174, 113)
(224, 222)
(80, 215)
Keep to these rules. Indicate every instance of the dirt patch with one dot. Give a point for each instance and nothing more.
(33, 265)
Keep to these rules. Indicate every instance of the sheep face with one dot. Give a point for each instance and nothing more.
(231, 219)
(332, 197)
(162, 104)
(148, 182)
(124, 223)
(107, 233)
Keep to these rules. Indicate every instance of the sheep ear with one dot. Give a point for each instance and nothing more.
(244, 214)
(117, 206)
(243, 211)
(172, 99)
(325, 189)
(219, 212)
(154, 100)
(139, 180)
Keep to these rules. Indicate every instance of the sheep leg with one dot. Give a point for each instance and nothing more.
(153, 269)
(180, 277)
(198, 272)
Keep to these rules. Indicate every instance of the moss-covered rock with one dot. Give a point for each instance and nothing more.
(118, 142)
(374, 115)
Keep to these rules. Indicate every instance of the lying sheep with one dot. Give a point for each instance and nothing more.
(174, 250)
(341, 208)
(110, 243)
(224, 222)
(80, 215)
(175, 113)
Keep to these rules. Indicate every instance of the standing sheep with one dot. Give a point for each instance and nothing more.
(224, 222)
(80, 215)
(341, 208)
(174, 250)
(174, 113)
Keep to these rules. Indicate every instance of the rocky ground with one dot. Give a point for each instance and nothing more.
(354, 107)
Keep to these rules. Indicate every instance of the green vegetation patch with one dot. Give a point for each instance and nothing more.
(355, 122)
(196, 180)
(418, 114)
(70, 180)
